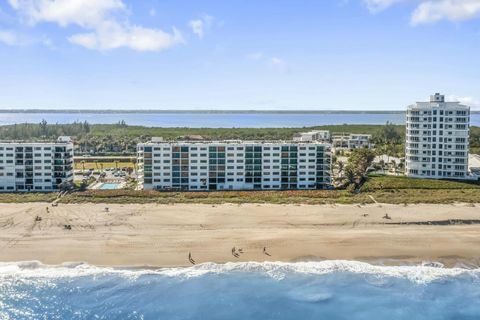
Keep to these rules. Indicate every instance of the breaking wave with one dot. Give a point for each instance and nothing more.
(278, 270)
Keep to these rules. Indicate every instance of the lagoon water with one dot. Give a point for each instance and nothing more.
(304, 290)
(209, 120)
(214, 120)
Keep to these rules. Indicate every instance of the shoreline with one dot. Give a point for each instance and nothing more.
(161, 236)
(304, 266)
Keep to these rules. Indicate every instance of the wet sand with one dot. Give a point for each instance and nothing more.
(164, 235)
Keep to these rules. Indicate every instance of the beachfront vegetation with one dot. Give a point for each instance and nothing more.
(381, 182)
(121, 138)
(357, 166)
(383, 189)
(217, 197)
(101, 165)
(27, 197)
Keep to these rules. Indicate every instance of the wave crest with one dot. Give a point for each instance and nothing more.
(277, 270)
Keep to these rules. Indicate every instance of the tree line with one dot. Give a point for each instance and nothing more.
(43, 130)
(122, 138)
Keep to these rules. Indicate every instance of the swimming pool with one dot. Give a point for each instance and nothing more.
(110, 186)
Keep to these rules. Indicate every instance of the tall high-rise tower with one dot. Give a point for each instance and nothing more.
(437, 139)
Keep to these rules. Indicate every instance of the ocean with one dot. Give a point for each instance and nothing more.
(305, 290)
(214, 120)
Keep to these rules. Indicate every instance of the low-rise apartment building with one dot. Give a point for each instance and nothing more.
(352, 141)
(437, 139)
(315, 135)
(39, 166)
(234, 165)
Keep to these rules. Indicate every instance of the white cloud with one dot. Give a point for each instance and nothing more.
(14, 38)
(453, 10)
(469, 101)
(85, 13)
(152, 12)
(199, 26)
(9, 38)
(105, 30)
(429, 11)
(255, 56)
(111, 35)
(279, 64)
(272, 62)
(379, 5)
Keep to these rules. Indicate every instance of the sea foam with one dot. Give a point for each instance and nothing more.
(276, 270)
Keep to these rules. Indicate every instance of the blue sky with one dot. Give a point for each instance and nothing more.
(232, 54)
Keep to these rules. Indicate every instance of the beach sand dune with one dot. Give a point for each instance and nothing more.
(164, 235)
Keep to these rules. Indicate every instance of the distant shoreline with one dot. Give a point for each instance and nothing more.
(171, 111)
(150, 111)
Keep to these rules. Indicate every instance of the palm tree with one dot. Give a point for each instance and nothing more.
(382, 165)
(394, 166)
(350, 175)
(134, 161)
(341, 166)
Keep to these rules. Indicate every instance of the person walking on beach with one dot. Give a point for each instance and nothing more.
(265, 251)
(234, 253)
(190, 258)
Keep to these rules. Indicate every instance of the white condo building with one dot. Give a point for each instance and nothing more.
(39, 166)
(234, 165)
(352, 141)
(316, 135)
(437, 139)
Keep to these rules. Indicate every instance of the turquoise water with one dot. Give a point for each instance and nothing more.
(110, 186)
(312, 290)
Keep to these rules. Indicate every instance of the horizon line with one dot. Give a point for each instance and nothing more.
(232, 111)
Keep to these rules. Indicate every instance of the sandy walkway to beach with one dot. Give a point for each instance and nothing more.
(163, 235)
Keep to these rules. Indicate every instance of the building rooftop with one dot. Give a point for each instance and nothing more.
(60, 140)
(233, 142)
(437, 100)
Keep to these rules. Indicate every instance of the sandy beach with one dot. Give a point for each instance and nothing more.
(164, 235)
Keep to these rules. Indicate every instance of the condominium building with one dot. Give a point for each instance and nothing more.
(315, 135)
(437, 139)
(234, 165)
(40, 166)
(352, 141)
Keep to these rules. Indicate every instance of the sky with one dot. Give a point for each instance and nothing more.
(237, 54)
